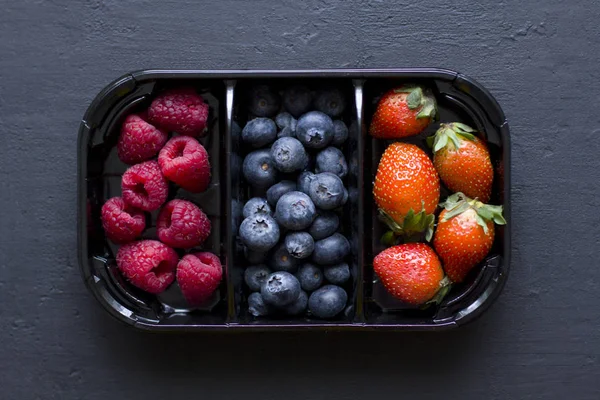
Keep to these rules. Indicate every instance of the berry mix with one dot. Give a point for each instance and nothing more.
(296, 255)
(295, 251)
(155, 160)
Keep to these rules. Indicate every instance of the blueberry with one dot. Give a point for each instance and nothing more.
(286, 120)
(297, 100)
(298, 306)
(327, 302)
(257, 306)
(259, 132)
(281, 260)
(286, 132)
(259, 169)
(257, 205)
(288, 154)
(255, 276)
(295, 210)
(340, 132)
(330, 101)
(299, 244)
(310, 277)
(304, 180)
(327, 191)
(326, 224)
(279, 189)
(280, 289)
(345, 196)
(315, 130)
(331, 250)
(337, 274)
(263, 101)
(259, 232)
(255, 257)
(332, 160)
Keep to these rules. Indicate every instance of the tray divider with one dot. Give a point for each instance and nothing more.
(359, 316)
(229, 242)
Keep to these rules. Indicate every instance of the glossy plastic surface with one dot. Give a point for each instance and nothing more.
(370, 307)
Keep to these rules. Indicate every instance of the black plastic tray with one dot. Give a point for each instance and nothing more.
(459, 99)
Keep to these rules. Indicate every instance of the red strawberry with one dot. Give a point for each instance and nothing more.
(401, 112)
(465, 234)
(198, 276)
(406, 189)
(463, 161)
(412, 273)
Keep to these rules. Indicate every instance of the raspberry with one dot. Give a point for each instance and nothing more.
(198, 276)
(182, 224)
(180, 110)
(139, 140)
(144, 186)
(148, 265)
(121, 222)
(185, 161)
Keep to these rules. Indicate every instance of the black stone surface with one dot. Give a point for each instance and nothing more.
(539, 58)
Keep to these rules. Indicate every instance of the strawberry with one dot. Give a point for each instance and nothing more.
(406, 189)
(465, 234)
(463, 161)
(401, 112)
(412, 273)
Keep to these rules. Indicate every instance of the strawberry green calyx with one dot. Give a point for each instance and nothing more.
(445, 286)
(458, 203)
(411, 229)
(450, 134)
(421, 100)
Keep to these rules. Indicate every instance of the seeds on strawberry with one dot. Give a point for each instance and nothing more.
(463, 161)
(412, 273)
(404, 111)
(407, 188)
(465, 234)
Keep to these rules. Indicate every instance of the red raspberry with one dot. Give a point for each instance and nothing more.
(198, 276)
(139, 140)
(180, 110)
(148, 265)
(121, 222)
(182, 224)
(144, 186)
(185, 161)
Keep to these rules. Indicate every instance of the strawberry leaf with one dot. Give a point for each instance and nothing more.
(482, 223)
(388, 238)
(459, 209)
(429, 109)
(463, 127)
(415, 98)
(499, 219)
(430, 221)
(430, 140)
(440, 142)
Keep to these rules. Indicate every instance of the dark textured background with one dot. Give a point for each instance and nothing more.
(541, 61)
